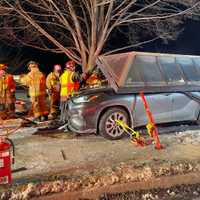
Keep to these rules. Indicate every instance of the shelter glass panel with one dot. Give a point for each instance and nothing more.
(117, 64)
(148, 68)
(196, 62)
(134, 77)
(188, 69)
(171, 69)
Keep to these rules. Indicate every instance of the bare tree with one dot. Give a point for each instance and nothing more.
(81, 28)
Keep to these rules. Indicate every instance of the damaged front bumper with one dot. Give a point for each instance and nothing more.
(78, 124)
(80, 121)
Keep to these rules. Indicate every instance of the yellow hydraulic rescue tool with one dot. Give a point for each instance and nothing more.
(134, 135)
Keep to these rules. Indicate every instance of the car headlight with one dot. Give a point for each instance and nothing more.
(84, 99)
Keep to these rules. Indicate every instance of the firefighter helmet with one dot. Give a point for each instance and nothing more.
(57, 67)
(32, 64)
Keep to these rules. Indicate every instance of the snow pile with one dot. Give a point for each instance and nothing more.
(188, 137)
(108, 177)
(23, 133)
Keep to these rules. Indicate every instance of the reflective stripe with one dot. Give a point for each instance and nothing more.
(70, 85)
(67, 84)
(1, 163)
(4, 154)
(34, 94)
(76, 86)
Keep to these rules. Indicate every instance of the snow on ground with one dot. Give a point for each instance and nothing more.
(41, 156)
(23, 133)
(44, 154)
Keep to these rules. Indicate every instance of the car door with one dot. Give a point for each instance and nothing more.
(184, 108)
(160, 106)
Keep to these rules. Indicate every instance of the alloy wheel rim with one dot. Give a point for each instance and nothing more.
(112, 128)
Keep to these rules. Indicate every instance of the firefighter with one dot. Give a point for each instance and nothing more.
(69, 82)
(94, 78)
(7, 92)
(35, 81)
(53, 86)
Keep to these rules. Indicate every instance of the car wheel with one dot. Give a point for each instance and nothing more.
(108, 127)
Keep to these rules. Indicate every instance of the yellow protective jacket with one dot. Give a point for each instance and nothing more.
(35, 80)
(53, 82)
(7, 89)
(68, 86)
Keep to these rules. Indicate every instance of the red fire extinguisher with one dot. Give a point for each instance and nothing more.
(7, 154)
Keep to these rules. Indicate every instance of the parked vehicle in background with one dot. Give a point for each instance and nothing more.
(171, 84)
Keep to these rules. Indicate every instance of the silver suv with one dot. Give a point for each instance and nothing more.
(171, 84)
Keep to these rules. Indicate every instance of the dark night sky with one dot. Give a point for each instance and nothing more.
(187, 43)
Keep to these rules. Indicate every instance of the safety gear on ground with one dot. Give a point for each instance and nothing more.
(70, 65)
(7, 93)
(40, 119)
(36, 82)
(53, 86)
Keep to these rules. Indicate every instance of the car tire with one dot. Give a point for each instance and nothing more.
(108, 127)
